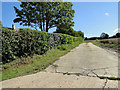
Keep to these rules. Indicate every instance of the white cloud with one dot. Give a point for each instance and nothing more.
(88, 35)
(107, 14)
(117, 30)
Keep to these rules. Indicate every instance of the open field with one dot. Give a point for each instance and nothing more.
(112, 44)
(111, 40)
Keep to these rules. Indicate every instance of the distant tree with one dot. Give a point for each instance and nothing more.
(117, 35)
(85, 38)
(104, 36)
(93, 38)
(45, 15)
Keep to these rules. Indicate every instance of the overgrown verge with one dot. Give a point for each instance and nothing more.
(29, 51)
(36, 63)
(110, 44)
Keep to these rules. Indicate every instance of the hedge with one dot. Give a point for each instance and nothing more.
(27, 42)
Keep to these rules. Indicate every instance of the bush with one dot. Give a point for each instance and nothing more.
(27, 42)
(61, 47)
(69, 31)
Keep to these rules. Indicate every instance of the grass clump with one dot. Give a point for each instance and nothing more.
(55, 65)
(113, 78)
(110, 78)
(102, 77)
(97, 43)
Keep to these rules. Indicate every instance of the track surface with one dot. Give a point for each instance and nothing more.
(88, 60)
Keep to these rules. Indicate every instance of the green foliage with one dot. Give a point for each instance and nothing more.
(104, 36)
(69, 31)
(113, 78)
(1, 24)
(113, 44)
(27, 42)
(5, 28)
(118, 34)
(110, 78)
(80, 34)
(102, 77)
(97, 43)
(66, 39)
(36, 14)
(62, 47)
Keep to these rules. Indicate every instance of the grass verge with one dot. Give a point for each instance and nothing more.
(37, 63)
(107, 45)
(97, 43)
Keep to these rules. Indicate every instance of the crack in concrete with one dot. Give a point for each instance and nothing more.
(86, 72)
(94, 73)
(91, 71)
(88, 69)
(105, 72)
(105, 84)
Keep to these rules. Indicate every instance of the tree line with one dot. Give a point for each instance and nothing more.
(104, 36)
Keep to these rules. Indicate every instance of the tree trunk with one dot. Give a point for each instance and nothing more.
(46, 25)
(41, 26)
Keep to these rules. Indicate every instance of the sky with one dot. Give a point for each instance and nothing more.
(92, 18)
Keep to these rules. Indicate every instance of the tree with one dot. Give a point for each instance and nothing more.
(44, 15)
(1, 24)
(64, 30)
(85, 38)
(80, 33)
(104, 36)
(117, 34)
(69, 31)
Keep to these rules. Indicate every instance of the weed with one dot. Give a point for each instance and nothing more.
(55, 65)
(113, 78)
(110, 78)
(102, 77)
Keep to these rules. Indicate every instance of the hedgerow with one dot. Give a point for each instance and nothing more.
(27, 42)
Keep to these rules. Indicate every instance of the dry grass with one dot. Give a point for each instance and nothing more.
(110, 41)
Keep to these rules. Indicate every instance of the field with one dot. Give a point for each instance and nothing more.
(107, 43)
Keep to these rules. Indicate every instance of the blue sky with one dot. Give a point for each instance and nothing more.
(92, 18)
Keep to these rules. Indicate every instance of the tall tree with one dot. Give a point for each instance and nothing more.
(44, 15)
